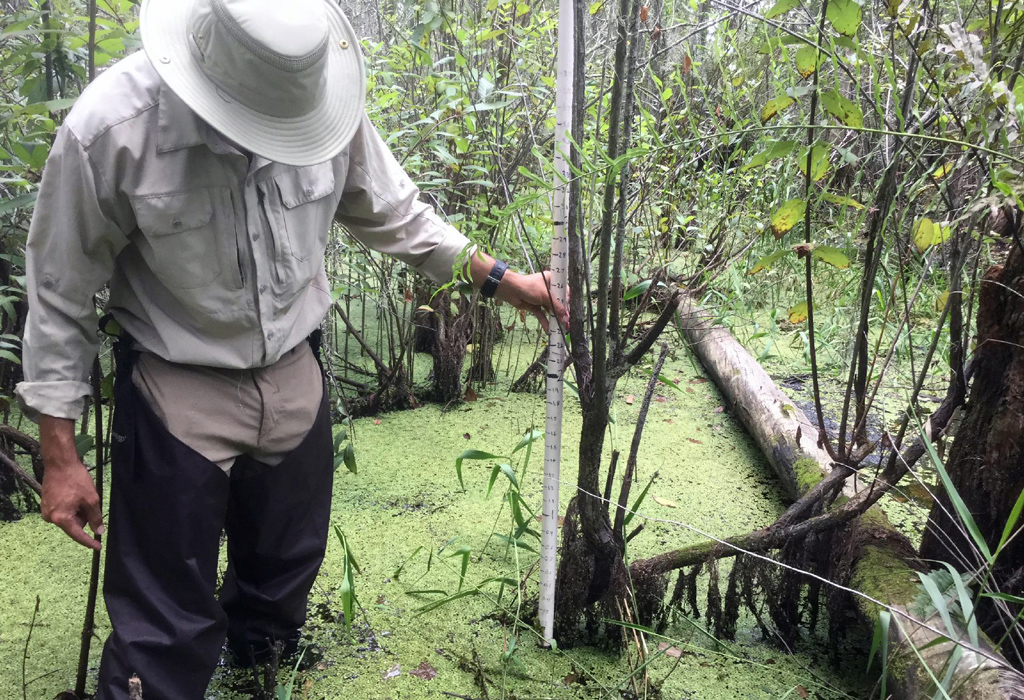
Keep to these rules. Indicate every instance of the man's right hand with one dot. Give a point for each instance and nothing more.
(70, 500)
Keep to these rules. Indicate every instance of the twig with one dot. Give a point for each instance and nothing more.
(611, 475)
(24, 655)
(340, 310)
(478, 674)
(20, 473)
(634, 448)
(89, 624)
(647, 341)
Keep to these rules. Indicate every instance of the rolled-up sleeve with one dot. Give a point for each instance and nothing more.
(380, 207)
(72, 243)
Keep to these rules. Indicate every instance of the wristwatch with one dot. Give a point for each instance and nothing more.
(490, 285)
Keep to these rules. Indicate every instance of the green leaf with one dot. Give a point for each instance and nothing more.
(841, 200)
(767, 261)
(1011, 522)
(49, 106)
(787, 216)
(339, 440)
(464, 552)
(24, 200)
(781, 8)
(820, 164)
(515, 543)
(502, 469)
(348, 586)
(84, 443)
(637, 290)
(531, 436)
(401, 567)
(966, 603)
(880, 644)
(349, 456)
(775, 106)
(774, 151)
(471, 454)
(807, 60)
(488, 106)
(845, 111)
(832, 256)
(639, 500)
(958, 503)
(845, 16)
(938, 601)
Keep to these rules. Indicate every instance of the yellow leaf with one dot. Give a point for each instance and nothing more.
(923, 234)
(844, 201)
(664, 502)
(942, 302)
(787, 216)
(807, 60)
(832, 256)
(776, 105)
(798, 313)
(767, 261)
(942, 171)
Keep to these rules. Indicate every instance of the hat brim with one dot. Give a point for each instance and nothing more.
(311, 138)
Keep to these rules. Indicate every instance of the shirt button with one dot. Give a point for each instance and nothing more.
(255, 236)
(263, 290)
(309, 191)
(176, 224)
(270, 335)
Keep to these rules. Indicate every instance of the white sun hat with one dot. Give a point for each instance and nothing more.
(283, 79)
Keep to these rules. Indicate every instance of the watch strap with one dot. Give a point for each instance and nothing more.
(490, 285)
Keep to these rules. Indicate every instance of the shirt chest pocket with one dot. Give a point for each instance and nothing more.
(305, 202)
(183, 236)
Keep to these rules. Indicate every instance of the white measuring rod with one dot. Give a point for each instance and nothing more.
(556, 341)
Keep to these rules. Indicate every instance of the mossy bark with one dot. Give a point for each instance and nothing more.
(872, 556)
(782, 431)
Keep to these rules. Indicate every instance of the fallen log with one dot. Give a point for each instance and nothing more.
(879, 560)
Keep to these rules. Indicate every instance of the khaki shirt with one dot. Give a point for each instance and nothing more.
(211, 260)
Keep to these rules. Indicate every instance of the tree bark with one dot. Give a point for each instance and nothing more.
(986, 461)
(782, 431)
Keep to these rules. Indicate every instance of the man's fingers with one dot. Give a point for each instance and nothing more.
(75, 531)
(542, 317)
(94, 515)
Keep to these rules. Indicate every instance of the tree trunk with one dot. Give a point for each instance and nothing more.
(453, 329)
(986, 461)
(870, 555)
(782, 431)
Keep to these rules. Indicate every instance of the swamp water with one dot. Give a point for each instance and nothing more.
(406, 495)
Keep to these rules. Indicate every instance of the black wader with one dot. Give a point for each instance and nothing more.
(168, 507)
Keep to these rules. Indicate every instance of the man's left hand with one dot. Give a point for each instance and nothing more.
(532, 293)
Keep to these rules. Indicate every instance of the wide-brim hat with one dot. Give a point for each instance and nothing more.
(284, 80)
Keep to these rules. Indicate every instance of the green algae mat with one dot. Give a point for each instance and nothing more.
(406, 499)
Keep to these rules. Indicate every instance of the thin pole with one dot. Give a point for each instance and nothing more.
(556, 341)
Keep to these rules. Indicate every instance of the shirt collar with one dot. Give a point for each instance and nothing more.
(179, 126)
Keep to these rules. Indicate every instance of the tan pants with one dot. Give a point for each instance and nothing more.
(224, 413)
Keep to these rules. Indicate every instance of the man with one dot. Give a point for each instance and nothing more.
(200, 178)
